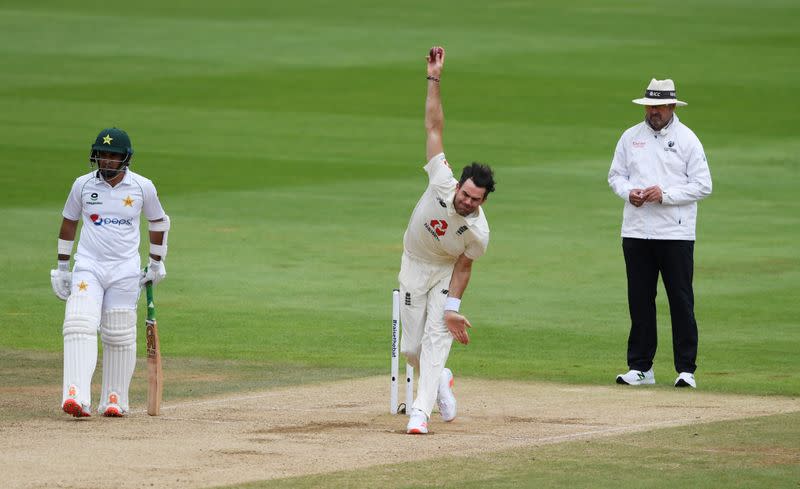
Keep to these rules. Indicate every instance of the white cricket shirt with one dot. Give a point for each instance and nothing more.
(436, 233)
(110, 215)
(671, 158)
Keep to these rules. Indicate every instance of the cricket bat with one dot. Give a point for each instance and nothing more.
(155, 379)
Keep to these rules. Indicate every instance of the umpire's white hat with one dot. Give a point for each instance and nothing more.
(660, 92)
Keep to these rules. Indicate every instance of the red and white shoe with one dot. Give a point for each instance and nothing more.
(417, 423)
(74, 408)
(446, 400)
(112, 408)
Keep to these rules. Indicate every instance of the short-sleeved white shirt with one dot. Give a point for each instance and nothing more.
(110, 215)
(436, 233)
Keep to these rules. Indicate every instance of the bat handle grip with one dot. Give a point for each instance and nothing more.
(151, 306)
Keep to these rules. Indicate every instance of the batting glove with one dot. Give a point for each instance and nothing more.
(155, 272)
(61, 280)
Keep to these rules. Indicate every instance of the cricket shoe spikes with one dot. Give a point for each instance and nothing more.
(446, 400)
(76, 409)
(637, 377)
(417, 423)
(72, 406)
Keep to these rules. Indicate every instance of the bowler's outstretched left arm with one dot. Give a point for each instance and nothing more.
(456, 323)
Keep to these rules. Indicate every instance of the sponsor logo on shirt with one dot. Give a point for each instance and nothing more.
(462, 230)
(441, 202)
(670, 147)
(114, 221)
(639, 144)
(93, 196)
(437, 228)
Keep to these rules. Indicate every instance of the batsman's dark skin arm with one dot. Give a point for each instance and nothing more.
(67, 233)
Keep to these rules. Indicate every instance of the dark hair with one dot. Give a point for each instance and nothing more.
(482, 176)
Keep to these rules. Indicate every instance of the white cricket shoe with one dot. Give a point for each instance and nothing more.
(637, 377)
(446, 400)
(417, 423)
(685, 379)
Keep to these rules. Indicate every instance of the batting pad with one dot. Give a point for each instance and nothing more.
(81, 319)
(118, 332)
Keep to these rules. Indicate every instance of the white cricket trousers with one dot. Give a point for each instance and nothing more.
(425, 341)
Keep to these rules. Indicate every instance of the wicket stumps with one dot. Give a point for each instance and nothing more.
(394, 407)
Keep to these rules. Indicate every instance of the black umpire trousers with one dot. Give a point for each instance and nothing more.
(674, 260)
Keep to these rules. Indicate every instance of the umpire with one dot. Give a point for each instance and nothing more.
(660, 170)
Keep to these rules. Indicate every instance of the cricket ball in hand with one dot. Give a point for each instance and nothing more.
(434, 52)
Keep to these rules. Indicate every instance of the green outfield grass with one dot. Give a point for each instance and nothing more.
(287, 140)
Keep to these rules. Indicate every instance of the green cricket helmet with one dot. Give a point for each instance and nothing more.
(112, 140)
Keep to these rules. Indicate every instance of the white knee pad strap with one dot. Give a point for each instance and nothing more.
(119, 327)
(82, 315)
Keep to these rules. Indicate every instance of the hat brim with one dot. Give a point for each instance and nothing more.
(659, 101)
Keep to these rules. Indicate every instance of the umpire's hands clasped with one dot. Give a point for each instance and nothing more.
(639, 196)
(457, 325)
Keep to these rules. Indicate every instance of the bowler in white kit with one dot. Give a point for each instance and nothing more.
(103, 288)
(446, 233)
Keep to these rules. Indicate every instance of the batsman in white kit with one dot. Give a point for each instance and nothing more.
(446, 233)
(103, 288)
